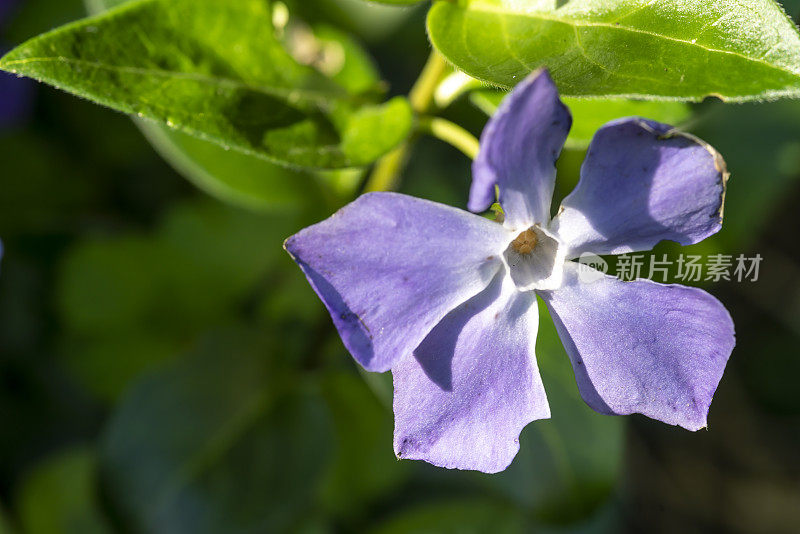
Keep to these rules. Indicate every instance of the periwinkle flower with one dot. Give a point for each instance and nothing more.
(446, 299)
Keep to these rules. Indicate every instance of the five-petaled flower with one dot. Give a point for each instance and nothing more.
(446, 299)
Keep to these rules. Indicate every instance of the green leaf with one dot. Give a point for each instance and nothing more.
(334, 54)
(761, 147)
(231, 176)
(214, 70)
(59, 497)
(358, 72)
(131, 302)
(395, 2)
(372, 127)
(364, 468)
(673, 49)
(245, 180)
(589, 115)
(369, 20)
(329, 50)
(108, 285)
(466, 516)
(219, 442)
(5, 526)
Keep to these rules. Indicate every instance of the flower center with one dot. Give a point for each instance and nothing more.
(525, 242)
(535, 260)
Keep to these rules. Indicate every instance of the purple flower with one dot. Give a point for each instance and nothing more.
(447, 299)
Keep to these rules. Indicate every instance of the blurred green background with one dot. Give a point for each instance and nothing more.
(165, 368)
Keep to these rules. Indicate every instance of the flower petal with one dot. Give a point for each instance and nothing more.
(642, 347)
(519, 148)
(389, 267)
(642, 182)
(470, 388)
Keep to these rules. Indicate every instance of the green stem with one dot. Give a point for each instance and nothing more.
(421, 95)
(386, 174)
(450, 133)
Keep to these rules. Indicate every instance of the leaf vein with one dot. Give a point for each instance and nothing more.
(289, 94)
(613, 26)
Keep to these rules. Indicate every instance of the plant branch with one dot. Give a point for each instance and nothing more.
(450, 133)
(421, 95)
(386, 174)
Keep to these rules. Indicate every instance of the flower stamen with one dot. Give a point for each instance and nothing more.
(525, 242)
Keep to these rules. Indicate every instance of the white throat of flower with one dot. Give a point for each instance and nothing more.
(535, 260)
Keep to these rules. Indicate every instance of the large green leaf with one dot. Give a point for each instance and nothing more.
(229, 175)
(589, 115)
(221, 442)
(60, 496)
(216, 70)
(676, 49)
